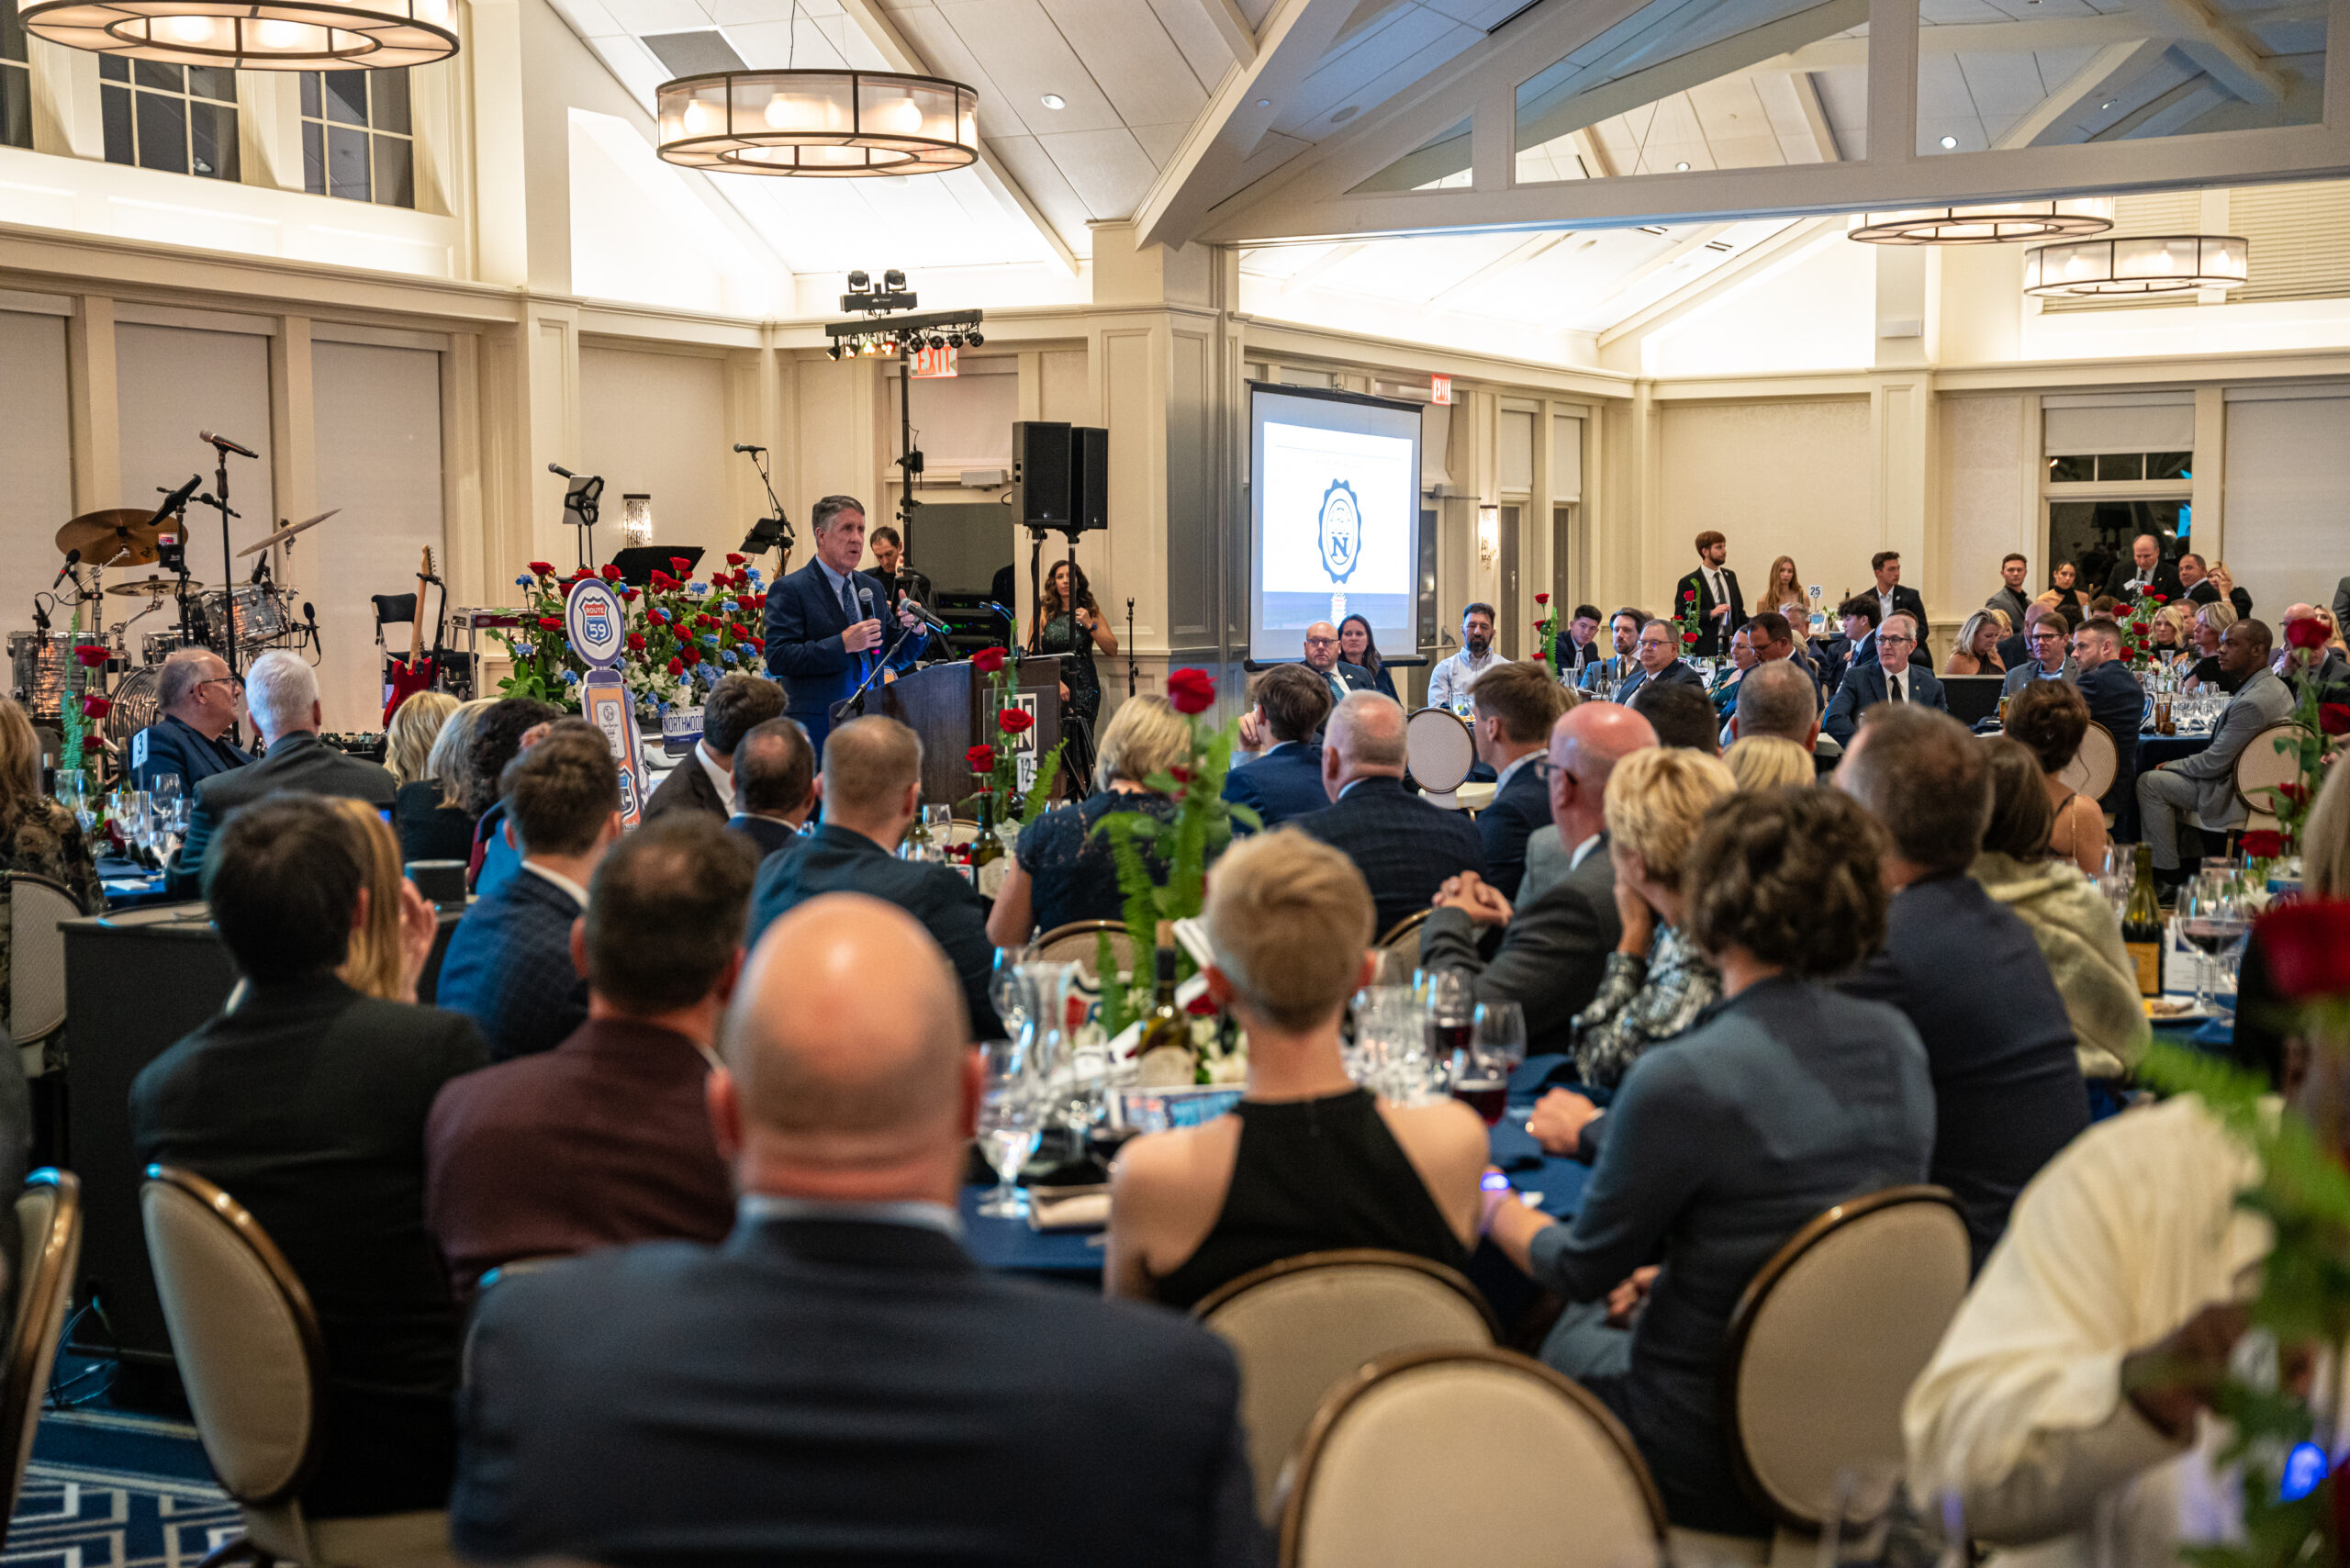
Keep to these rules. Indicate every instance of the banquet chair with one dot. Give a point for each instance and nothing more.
(1300, 1325)
(1471, 1455)
(1079, 942)
(36, 974)
(2094, 764)
(1826, 1341)
(254, 1366)
(2260, 767)
(1439, 751)
(48, 1252)
(1403, 936)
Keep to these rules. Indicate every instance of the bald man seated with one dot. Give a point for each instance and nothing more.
(837, 1381)
(1405, 847)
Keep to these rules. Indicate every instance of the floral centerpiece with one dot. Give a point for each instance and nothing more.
(1686, 619)
(2318, 729)
(682, 635)
(1000, 765)
(1546, 633)
(2136, 620)
(1162, 865)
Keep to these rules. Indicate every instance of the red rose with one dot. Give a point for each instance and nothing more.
(1688, 636)
(612, 573)
(1201, 1006)
(2159, 598)
(636, 642)
(2333, 717)
(680, 565)
(661, 580)
(979, 758)
(690, 654)
(96, 707)
(550, 623)
(1190, 690)
(986, 661)
(1180, 774)
(2292, 794)
(1015, 720)
(2308, 632)
(2263, 843)
(628, 596)
(2307, 944)
(677, 666)
(92, 654)
(759, 644)
(1541, 599)
(735, 560)
(544, 568)
(2140, 627)
(739, 628)
(1540, 655)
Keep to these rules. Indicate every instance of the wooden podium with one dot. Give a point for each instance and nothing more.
(949, 706)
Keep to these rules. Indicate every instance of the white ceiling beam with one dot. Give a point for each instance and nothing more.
(1292, 42)
(2102, 67)
(1517, 256)
(1595, 159)
(1974, 38)
(2218, 48)
(902, 56)
(1625, 281)
(1305, 274)
(1815, 116)
(1233, 29)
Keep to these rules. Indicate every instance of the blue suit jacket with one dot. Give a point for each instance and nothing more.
(508, 968)
(2119, 702)
(1863, 687)
(1519, 807)
(171, 746)
(843, 1391)
(1283, 783)
(834, 860)
(804, 623)
(1403, 846)
(1677, 673)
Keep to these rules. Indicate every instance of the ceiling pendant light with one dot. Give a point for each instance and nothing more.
(2151, 263)
(1995, 223)
(820, 124)
(260, 35)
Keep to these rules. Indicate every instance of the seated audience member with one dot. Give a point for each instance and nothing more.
(2068, 914)
(1516, 704)
(704, 782)
(840, 1382)
(1286, 781)
(508, 966)
(1723, 692)
(872, 792)
(408, 752)
(1580, 646)
(1307, 1162)
(505, 728)
(2048, 718)
(2209, 624)
(1787, 1099)
(307, 1104)
(2007, 1090)
(38, 834)
(1856, 617)
(2209, 584)
(1658, 653)
(1889, 679)
(1357, 646)
(1624, 642)
(774, 785)
(1063, 869)
(195, 699)
(1554, 945)
(1405, 847)
(1976, 651)
(1767, 762)
(430, 815)
(1777, 700)
(2116, 702)
(281, 695)
(2200, 787)
(389, 947)
(1681, 716)
(2171, 643)
(606, 1138)
(2048, 651)
(1776, 640)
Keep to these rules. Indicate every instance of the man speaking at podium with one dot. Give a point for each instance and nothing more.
(824, 626)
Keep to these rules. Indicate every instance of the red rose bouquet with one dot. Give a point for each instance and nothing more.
(680, 636)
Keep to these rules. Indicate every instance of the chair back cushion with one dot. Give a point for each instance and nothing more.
(243, 1331)
(1080, 943)
(1439, 749)
(2260, 767)
(36, 979)
(2093, 766)
(1301, 1326)
(1827, 1339)
(49, 1219)
(1478, 1456)
(1403, 936)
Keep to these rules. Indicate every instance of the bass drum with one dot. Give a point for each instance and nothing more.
(134, 706)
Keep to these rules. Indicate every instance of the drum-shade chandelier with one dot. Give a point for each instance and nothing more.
(1995, 223)
(261, 35)
(2148, 263)
(823, 124)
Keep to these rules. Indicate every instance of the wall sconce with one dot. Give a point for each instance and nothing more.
(637, 520)
(1488, 535)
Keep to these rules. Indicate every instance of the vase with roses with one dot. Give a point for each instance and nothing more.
(682, 634)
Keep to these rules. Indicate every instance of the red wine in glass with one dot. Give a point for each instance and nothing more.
(1444, 1038)
(1487, 1096)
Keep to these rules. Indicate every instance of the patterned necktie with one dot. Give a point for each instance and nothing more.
(1892, 687)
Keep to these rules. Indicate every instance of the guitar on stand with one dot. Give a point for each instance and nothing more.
(416, 672)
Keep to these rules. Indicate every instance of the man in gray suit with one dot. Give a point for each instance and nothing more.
(2203, 785)
(1554, 947)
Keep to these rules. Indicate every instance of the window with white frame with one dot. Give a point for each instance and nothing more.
(178, 118)
(15, 83)
(358, 138)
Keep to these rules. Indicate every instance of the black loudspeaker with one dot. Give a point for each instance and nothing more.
(1090, 476)
(1041, 473)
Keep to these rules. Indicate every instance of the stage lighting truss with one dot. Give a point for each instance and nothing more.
(818, 124)
(890, 337)
(272, 35)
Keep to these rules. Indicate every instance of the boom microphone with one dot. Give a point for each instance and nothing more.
(559, 468)
(225, 444)
(924, 616)
(175, 500)
(747, 446)
(310, 614)
(73, 559)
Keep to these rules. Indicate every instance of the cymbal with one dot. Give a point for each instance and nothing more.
(120, 537)
(154, 587)
(289, 531)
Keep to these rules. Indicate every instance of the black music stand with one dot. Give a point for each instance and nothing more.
(638, 562)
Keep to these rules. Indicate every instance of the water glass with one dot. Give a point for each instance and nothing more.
(2212, 918)
(163, 789)
(1011, 1121)
(1005, 990)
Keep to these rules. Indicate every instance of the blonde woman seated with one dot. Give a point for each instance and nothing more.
(1062, 869)
(1766, 762)
(2069, 917)
(2049, 717)
(1976, 651)
(2209, 624)
(1307, 1162)
(2173, 638)
(393, 937)
(38, 835)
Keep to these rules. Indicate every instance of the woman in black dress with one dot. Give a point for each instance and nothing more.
(1357, 646)
(1057, 631)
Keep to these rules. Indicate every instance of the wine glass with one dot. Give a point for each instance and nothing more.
(1451, 1020)
(163, 792)
(2212, 918)
(1005, 990)
(74, 794)
(1009, 1123)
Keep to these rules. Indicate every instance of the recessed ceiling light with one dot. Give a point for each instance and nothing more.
(1682, 167)
(1949, 142)
(1055, 101)
(1264, 103)
(2107, 104)
(1343, 116)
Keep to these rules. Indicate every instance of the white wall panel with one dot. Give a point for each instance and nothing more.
(963, 420)
(1566, 458)
(1779, 478)
(378, 413)
(175, 381)
(2126, 421)
(655, 424)
(1984, 487)
(36, 472)
(2287, 492)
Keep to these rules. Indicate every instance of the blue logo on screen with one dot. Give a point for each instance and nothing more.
(1339, 530)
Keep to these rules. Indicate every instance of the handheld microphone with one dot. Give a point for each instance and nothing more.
(73, 559)
(175, 500)
(225, 444)
(310, 614)
(865, 598)
(924, 616)
(559, 468)
(747, 446)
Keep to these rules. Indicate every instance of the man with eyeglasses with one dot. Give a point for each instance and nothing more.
(1658, 652)
(199, 698)
(1892, 678)
(1322, 658)
(2047, 641)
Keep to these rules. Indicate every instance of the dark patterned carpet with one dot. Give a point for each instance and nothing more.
(113, 1489)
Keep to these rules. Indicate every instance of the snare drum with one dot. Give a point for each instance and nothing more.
(45, 670)
(157, 646)
(256, 617)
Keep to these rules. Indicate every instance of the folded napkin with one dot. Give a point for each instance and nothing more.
(1512, 1147)
(1068, 1208)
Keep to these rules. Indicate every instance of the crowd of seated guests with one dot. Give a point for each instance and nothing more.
(431, 812)
(1405, 847)
(776, 783)
(1285, 781)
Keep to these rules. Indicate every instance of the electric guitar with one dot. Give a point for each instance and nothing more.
(417, 673)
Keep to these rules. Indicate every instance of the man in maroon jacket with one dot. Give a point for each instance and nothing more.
(606, 1138)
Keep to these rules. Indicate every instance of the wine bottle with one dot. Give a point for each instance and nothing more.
(2142, 925)
(1166, 1028)
(918, 844)
(987, 847)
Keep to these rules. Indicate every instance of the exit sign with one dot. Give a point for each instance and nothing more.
(934, 363)
(1440, 388)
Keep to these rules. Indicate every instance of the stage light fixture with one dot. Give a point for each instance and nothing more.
(893, 280)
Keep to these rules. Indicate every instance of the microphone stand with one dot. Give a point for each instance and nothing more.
(1130, 647)
(219, 501)
(772, 531)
